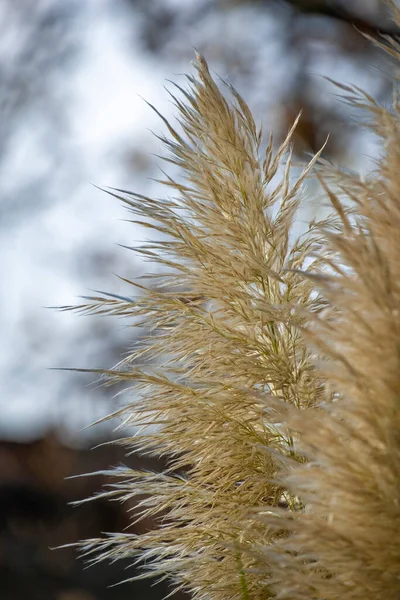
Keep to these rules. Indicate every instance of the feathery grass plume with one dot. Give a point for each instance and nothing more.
(223, 332)
(346, 543)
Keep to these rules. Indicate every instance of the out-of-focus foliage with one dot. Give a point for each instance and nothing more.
(277, 50)
(39, 45)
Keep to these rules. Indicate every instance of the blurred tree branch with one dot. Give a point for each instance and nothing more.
(327, 8)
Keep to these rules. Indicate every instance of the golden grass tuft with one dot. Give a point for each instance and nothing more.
(270, 377)
(346, 543)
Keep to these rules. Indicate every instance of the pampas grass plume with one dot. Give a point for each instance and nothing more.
(269, 378)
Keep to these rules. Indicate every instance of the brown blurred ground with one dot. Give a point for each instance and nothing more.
(35, 516)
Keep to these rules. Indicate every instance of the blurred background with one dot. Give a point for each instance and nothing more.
(73, 75)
